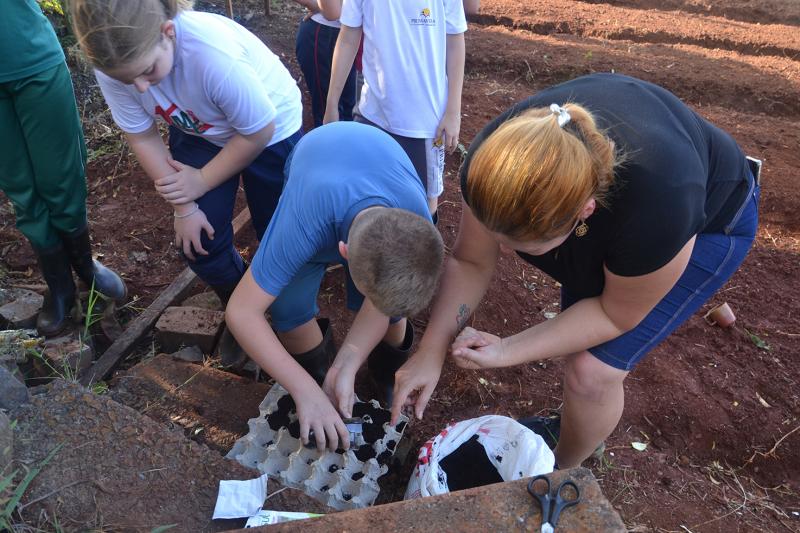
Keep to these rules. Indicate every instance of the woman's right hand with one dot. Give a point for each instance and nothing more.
(414, 383)
(189, 224)
(317, 414)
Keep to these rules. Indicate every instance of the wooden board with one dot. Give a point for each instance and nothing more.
(138, 327)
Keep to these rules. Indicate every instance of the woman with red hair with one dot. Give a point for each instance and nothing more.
(639, 207)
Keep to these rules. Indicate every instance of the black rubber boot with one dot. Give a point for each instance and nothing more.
(318, 360)
(385, 360)
(60, 297)
(89, 270)
(231, 355)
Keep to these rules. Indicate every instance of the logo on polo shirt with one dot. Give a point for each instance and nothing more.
(423, 18)
(183, 120)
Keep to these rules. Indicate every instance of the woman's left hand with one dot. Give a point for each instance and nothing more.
(185, 185)
(477, 349)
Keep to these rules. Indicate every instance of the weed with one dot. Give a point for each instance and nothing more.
(66, 372)
(51, 6)
(92, 316)
(9, 503)
(100, 387)
(758, 341)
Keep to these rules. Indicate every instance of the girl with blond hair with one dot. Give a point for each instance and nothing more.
(232, 109)
(639, 207)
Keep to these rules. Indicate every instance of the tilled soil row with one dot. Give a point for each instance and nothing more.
(652, 26)
(764, 11)
(700, 76)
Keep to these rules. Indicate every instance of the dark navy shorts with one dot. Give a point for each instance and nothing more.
(714, 259)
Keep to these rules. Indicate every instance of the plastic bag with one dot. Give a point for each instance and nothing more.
(513, 449)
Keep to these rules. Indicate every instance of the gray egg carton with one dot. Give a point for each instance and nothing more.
(341, 479)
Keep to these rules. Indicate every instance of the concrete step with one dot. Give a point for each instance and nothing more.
(210, 405)
(116, 469)
(497, 507)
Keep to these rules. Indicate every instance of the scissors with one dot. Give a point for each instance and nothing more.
(552, 505)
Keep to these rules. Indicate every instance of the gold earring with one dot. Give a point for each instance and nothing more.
(582, 229)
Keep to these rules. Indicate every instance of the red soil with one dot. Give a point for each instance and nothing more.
(713, 406)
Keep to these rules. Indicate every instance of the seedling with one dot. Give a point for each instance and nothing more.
(758, 341)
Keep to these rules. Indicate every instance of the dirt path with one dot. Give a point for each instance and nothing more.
(712, 406)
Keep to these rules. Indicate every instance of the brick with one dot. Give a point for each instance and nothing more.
(189, 326)
(23, 308)
(68, 354)
(204, 300)
(498, 507)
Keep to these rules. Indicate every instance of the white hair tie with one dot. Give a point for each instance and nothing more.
(561, 113)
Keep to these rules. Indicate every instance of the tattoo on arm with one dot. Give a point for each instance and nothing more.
(463, 316)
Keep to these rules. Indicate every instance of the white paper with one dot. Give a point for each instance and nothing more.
(265, 517)
(240, 499)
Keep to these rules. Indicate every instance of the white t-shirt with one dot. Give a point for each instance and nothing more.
(404, 61)
(224, 81)
(320, 19)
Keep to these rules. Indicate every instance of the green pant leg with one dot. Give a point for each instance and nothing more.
(47, 181)
(16, 176)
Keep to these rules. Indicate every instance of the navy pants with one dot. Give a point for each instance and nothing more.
(263, 183)
(314, 49)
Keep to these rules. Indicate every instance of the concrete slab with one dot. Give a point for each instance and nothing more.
(115, 469)
(189, 326)
(210, 405)
(499, 507)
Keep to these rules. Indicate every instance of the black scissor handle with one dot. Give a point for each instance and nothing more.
(543, 497)
(561, 502)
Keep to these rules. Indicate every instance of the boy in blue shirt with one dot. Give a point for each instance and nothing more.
(351, 196)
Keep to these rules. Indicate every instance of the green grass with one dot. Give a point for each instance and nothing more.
(8, 503)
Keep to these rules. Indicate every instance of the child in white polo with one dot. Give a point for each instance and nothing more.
(413, 73)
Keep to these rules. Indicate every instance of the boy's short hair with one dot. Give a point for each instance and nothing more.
(395, 258)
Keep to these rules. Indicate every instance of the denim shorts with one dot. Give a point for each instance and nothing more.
(715, 257)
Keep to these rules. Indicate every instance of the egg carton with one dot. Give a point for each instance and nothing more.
(344, 479)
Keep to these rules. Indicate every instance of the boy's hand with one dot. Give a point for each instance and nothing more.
(414, 383)
(448, 129)
(331, 114)
(475, 349)
(185, 185)
(188, 230)
(317, 414)
(339, 385)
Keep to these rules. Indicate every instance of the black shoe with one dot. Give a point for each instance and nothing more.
(231, 355)
(89, 270)
(549, 428)
(385, 360)
(224, 292)
(318, 360)
(60, 297)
